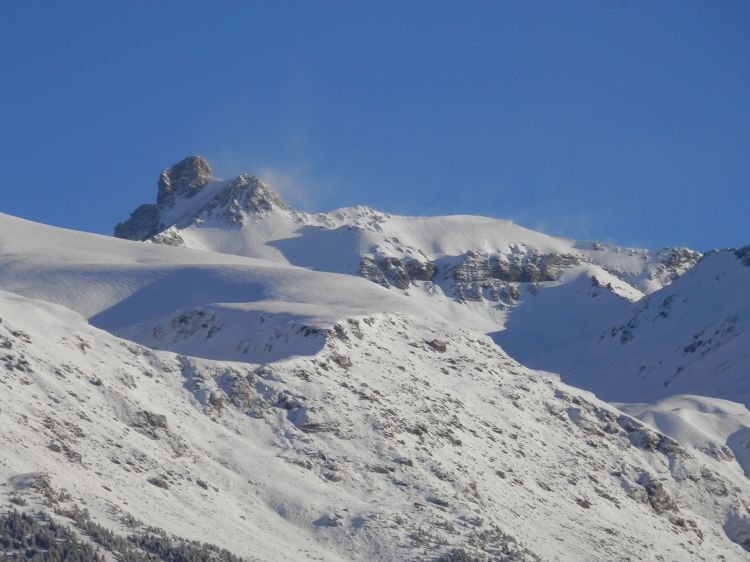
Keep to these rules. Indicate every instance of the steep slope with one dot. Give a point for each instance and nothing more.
(467, 258)
(680, 355)
(692, 337)
(398, 440)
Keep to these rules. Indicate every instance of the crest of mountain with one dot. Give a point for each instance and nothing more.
(469, 259)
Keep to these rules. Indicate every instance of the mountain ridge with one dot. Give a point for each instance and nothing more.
(493, 261)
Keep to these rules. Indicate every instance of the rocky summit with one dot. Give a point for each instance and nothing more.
(184, 179)
(229, 378)
(175, 207)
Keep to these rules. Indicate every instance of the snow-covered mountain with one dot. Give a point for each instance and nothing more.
(692, 337)
(295, 386)
(464, 257)
(396, 440)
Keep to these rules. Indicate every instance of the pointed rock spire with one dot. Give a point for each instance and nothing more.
(187, 177)
(233, 200)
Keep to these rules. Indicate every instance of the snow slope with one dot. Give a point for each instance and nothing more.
(150, 293)
(692, 337)
(398, 440)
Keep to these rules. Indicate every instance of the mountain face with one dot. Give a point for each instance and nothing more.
(241, 379)
(692, 337)
(474, 259)
(394, 440)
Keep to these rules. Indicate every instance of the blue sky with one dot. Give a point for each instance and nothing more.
(621, 121)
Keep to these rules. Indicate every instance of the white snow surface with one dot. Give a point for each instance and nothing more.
(133, 289)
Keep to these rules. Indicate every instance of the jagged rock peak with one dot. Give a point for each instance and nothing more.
(186, 177)
(232, 200)
(259, 196)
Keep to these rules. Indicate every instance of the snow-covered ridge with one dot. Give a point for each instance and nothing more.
(692, 337)
(143, 291)
(464, 257)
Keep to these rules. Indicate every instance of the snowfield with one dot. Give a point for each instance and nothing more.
(330, 387)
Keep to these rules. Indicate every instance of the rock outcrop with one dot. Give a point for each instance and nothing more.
(185, 178)
(143, 223)
(231, 201)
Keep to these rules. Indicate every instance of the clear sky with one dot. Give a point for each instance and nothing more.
(621, 121)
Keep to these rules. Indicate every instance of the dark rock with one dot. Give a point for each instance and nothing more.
(676, 258)
(258, 198)
(149, 419)
(391, 271)
(438, 501)
(318, 427)
(420, 270)
(289, 401)
(169, 237)
(437, 345)
(159, 482)
(149, 423)
(143, 223)
(244, 194)
(186, 178)
(714, 483)
(657, 496)
(342, 361)
(645, 438)
(216, 400)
